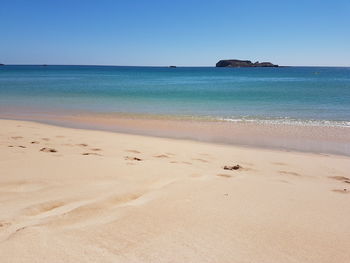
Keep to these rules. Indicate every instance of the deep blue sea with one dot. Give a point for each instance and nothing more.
(304, 95)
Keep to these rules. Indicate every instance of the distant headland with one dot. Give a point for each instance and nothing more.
(236, 63)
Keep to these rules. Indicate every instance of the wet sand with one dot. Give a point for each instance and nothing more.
(73, 195)
(306, 138)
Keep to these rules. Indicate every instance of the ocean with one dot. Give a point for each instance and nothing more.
(291, 95)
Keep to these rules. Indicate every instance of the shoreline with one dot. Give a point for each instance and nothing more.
(130, 198)
(285, 137)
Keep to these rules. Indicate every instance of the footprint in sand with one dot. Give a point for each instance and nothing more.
(21, 146)
(341, 178)
(48, 150)
(161, 156)
(45, 139)
(34, 142)
(224, 175)
(289, 173)
(92, 154)
(132, 158)
(96, 149)
(82, 144)
(232, 167)
(200, 160)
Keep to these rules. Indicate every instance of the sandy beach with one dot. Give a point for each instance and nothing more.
(73, 195)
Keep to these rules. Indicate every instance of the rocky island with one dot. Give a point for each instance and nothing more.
(235, 63)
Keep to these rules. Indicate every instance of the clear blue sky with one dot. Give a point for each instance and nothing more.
(174, 32)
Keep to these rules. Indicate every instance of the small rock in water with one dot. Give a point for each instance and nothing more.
(234, 167)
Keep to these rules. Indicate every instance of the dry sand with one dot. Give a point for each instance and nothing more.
(69, 195)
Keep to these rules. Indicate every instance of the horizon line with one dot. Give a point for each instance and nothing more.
(158, 66)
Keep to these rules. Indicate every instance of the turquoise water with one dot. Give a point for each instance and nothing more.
(305, 95)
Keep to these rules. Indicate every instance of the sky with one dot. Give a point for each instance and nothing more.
(175, 32)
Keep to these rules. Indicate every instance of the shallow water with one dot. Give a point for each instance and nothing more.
(295, 95)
